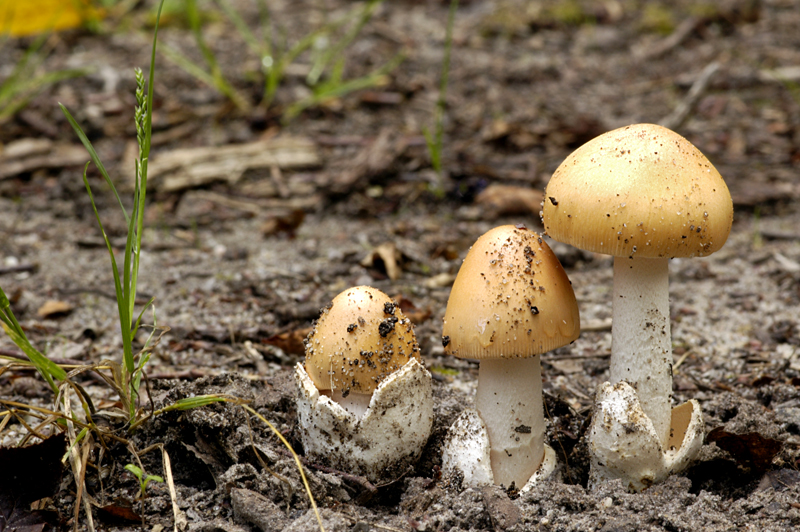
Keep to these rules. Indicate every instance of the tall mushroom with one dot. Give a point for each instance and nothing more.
(510, 302)
(365, 402)
(643, 194)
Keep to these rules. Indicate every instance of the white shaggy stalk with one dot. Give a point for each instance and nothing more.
(641, 348)
(509, 400)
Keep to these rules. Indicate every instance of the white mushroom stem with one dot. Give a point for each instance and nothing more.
(641, 348)
(509, 400)
(355, 403)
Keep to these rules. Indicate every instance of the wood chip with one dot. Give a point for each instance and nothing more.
(596, 325)
(28, 155)
(195, 167)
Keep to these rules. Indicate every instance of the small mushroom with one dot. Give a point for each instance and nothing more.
(643, 194)
(365, 402)
(510, 302)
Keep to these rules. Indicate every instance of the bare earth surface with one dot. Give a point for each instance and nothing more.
(240, 263)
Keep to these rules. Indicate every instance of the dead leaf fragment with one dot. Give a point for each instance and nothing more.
(54, 309)
(415, 314)
(283, 222)
(439, 280)
(29, 474)
(385, 257)
(750, 450)
(505, 200)
(290, 342)
(119, 512)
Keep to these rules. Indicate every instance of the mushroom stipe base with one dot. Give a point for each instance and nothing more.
(467, 454)
(624, 443)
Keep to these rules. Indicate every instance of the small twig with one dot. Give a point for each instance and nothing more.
(180, 520)
(265, 466)
(770, 234)
(75, 461)
(32, 267)
(574, 357)
(372, 525)
(185, 374)
(680, 360)
(596, 325)
(674, 39)
(296, 458)
(5, 353)
(355, 479)
(681, 113)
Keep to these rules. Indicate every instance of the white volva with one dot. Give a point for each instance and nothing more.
(381, 443)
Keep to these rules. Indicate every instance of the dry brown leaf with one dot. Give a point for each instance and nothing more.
(412, 312)
(749, 450)
(504, 200)
(290, 342)
(283, 222)
(385, 257)
(54, 309)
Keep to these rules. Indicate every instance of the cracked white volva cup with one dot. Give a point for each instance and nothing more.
(467, 454)
(383, 442)
(624, 444)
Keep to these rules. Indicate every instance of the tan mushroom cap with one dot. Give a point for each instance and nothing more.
(511, 299)
(358, 341)
(640, 189)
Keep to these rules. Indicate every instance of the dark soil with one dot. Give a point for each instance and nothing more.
(240, 268)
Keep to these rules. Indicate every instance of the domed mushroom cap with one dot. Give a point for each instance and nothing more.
(643, 190)
(358, 341)
(511, 299)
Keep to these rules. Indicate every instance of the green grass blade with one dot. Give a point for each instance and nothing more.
(20, 70)
(334, 90)
(337, 51)
(139, 319)
(434, 149)
(241, 26)
(14, 330)
(124, 317)
(217, 83)
(441, 102)
(128, 289)
(275, 74)
(46, 367)
(188, 403)
(17, 98)
(93, 155)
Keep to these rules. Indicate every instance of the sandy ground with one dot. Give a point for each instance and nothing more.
(238, 297)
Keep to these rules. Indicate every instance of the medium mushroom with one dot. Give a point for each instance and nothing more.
(365, 402)
(643, 194)
(510, 302)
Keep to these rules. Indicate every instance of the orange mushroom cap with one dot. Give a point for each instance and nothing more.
(358, 341)
(640, 189)
(511, 299)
